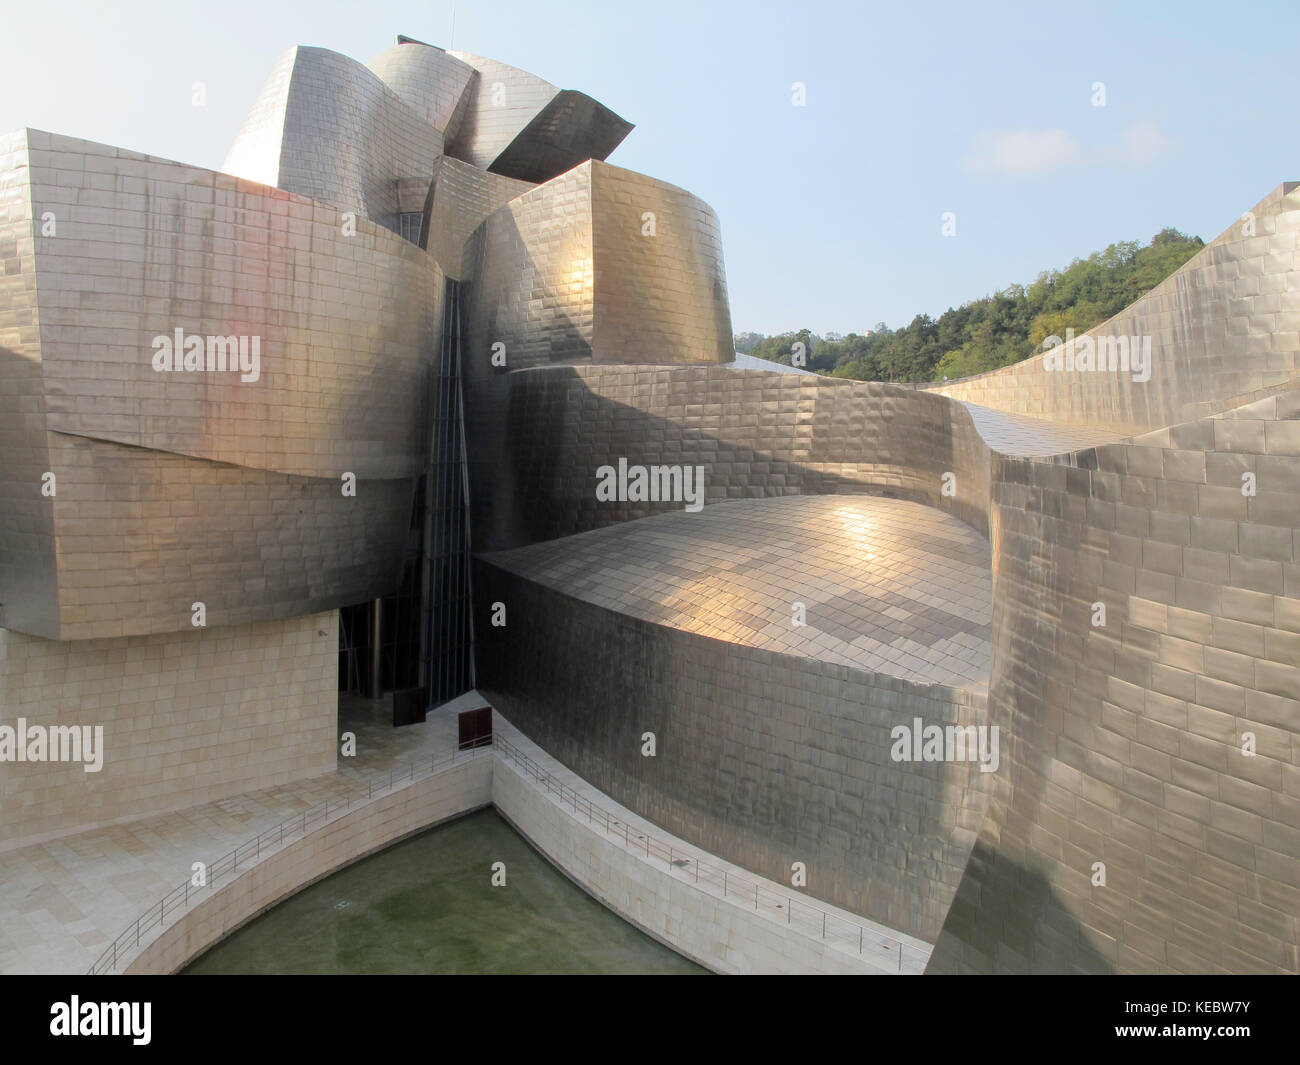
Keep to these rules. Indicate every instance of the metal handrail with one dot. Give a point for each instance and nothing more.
(830, 927)
(291, 828)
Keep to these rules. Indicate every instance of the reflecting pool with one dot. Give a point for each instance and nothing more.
(427, 905)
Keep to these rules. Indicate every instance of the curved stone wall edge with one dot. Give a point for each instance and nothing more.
(375, 825)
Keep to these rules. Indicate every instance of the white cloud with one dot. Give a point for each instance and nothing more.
(1032, 153)
(1024, 152)
(1144, 143)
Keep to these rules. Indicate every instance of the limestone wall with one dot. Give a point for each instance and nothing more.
(187, 717)
(372, 826)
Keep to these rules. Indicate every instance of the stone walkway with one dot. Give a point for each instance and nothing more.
(63, 901)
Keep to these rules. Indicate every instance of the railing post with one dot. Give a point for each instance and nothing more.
(724, 883)
(823, 924)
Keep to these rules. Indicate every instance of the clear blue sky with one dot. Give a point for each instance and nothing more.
(830, 212)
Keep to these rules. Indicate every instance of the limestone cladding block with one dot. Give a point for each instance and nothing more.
(187, 718)
(720, 935)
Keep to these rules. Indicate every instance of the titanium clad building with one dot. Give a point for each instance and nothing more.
(419, 392)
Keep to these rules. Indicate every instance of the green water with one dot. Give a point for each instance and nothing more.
(427, 905)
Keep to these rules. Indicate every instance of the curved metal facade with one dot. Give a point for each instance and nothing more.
(598, 265)
(327, 128)
(1127, 741)
(1224, 329)
(520, 126)
(429, 80)
(1122, 730)
(232, 391)
(461, 198)
(543, 433)
(177, 486)
(597, 332)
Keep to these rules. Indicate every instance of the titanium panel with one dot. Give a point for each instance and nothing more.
(661, 289)
(520, 126)
(761, 757)
(431, 82)
(1224, 328)
(348, 324)
(1124, 741)
(463, 196)
(143, 535)
(537, 438)
(887, 585)
(500, 103)
(599, 265)
(532, 287)
(344, 136)
(27, 547)
(570, 130)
